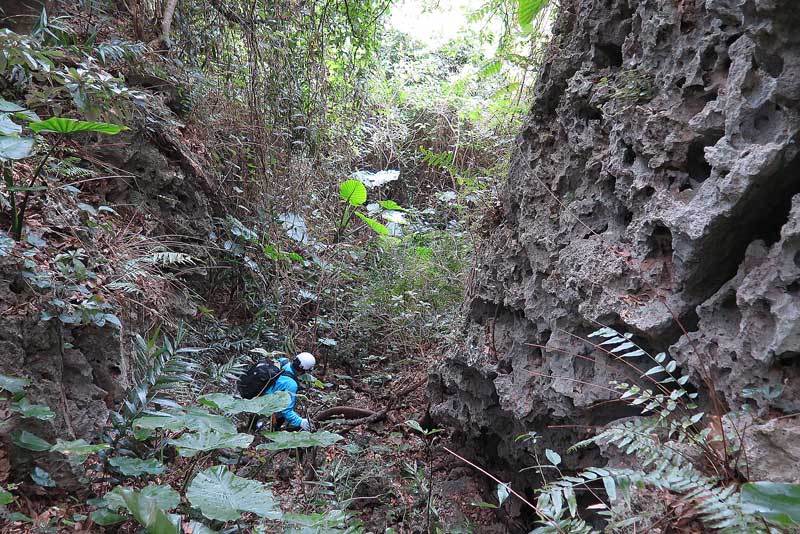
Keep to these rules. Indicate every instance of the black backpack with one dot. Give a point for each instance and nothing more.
(258, 378)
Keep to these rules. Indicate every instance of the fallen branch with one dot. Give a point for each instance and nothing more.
(361, 416)
(343, 411)
(374, 418)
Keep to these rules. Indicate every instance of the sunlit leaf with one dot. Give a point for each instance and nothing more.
(223, 496)
(528, 9)
(372, 223)
(391, 205)
(353, 191)
(68, 126)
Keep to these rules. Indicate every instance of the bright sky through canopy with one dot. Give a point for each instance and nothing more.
(433, 26)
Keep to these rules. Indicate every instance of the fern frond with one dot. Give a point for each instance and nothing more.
(169, 258)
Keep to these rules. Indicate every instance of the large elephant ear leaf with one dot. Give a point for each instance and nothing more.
(223, 496)
(189, 445)
(353, 191)
(293, 440)
(61, 125)
(15, 147)
(264, 405)
(146, 511)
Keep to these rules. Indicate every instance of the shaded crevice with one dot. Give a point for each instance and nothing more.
(608, 55)
(660, 242)
(697, 166)
(760, 214)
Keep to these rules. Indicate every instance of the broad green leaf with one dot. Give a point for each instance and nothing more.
(37, 411)
(15, 147)
(26, 115)
(32, 442)
(491, 68)
(372, 223)
(223, 496)
(528, 9)
(146, 511)
(778, 503)
(77, 450)
(167, 421)
(133, 467)
(194, 419)
(189, 445)
(353, 191)
(502, 494)
(9, 107)
(62, 125)
(293, 440)
(165, 497)
(9, 127)
(105, 517)
(13, 384)
(552, 456)
(43, 478)
(391, 205)
(263, 405)
(5, 496)
(415, 425)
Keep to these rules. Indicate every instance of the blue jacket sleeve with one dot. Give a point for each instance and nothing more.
(285, 383)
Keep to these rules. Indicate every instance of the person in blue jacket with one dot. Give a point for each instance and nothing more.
(287, 381)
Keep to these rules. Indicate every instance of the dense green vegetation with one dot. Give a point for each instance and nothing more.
(349, 171)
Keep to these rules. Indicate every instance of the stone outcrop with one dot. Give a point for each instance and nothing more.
(655, 188)
(78, 372)
(83, 372)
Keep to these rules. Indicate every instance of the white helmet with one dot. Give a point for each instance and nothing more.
(305, 361)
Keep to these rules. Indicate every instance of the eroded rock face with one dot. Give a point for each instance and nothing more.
(78, 378)
(657, 178)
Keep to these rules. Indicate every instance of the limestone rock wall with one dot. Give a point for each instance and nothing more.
(655, 184)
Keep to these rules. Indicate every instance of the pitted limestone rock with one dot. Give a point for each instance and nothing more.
(658, 165)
